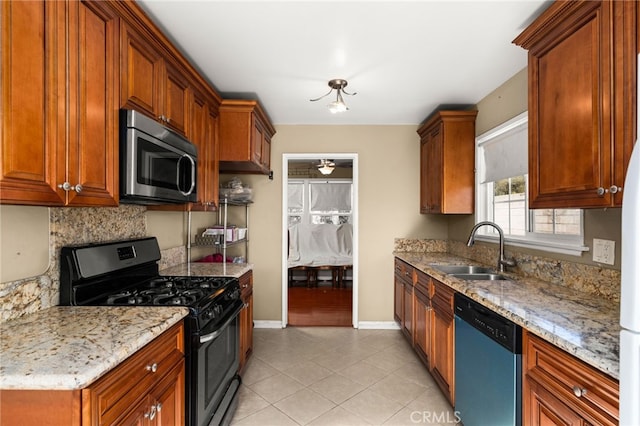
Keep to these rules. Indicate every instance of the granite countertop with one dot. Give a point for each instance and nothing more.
(211, 269)
(582, 324)
(69, 347)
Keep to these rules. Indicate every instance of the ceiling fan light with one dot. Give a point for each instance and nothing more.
(337, 106)
(326, 169)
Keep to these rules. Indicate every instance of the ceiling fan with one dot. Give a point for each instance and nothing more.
(326, 167)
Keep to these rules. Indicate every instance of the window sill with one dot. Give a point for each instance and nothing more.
(548, 246)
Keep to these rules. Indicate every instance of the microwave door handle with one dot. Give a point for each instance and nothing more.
(193, 174)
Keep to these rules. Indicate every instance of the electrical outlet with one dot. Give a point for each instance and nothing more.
(604, 251)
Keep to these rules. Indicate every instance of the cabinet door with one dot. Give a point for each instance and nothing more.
(141, 71)
(442, 350)
(569, 132)
(398, 298)
(579, 150)
(422, 323)
(246, 318)
(169, 399)
(213, 156)
(547, 410)
(266, 152)
(92, 145)
(198, 135)
(175, 99)
(407, 317)
(33, 77)
(431, 187)
(256, 140)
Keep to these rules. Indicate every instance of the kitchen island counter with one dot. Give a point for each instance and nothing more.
(69, 347)
(585, 325)
(208, 269)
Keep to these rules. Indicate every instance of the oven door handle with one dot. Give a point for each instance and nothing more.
(209, 337)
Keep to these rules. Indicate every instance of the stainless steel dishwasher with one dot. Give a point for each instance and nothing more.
(488, 369)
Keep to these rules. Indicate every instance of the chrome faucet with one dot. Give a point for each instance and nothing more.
(502, 260)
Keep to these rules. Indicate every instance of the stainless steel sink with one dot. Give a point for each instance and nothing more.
(480, 276)
(463, 269)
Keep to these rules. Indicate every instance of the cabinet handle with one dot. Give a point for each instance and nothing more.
(578, 391)
(153, 367)
(614, 189)
(66, 186)
(601, 191)
(152, 414)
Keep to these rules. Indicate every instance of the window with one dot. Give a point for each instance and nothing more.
(319, 201)
(502, 195)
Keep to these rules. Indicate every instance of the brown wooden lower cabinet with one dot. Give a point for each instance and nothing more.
(441, 355)
(423, 307)
(147, 388)
(422, 321)
(246, 318)
(559, 389)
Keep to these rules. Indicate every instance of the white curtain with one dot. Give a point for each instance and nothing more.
(295, 196)
(330, 196)
(505, 154)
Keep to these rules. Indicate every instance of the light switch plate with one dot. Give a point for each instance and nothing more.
(604, 251)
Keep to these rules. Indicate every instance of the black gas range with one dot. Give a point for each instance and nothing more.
(125, 273)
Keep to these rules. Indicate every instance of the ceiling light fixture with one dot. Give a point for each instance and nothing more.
(338, 105)
(326, 167)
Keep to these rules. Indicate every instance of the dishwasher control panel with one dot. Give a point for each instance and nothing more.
(493, 325)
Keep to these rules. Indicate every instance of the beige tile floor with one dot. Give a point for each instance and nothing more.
(337, 376)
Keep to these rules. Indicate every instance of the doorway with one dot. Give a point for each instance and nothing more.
(312, 276)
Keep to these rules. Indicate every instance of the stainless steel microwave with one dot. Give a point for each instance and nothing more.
(157, 165)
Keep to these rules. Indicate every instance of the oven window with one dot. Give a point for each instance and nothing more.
(217, 364)
(157, 166)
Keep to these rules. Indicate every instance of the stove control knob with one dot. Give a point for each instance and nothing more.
(218, 309)
(210, 314)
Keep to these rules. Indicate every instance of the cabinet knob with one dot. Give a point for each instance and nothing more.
(66, 186)
(154, 410)
(153, 367)
(615, 189)
(601, 191)
(579, 392)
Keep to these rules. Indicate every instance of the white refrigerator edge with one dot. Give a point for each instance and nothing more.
(630, 290)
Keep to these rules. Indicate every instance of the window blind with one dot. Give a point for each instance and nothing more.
(330, 196)
(503, 153)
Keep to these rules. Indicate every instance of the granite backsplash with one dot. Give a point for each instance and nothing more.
(72, 226)
(592, 279)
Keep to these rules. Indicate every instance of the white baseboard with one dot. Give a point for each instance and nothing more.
(267, 324)
(378, 325)
(364, 325)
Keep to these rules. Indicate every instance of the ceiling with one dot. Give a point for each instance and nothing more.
(403, 58)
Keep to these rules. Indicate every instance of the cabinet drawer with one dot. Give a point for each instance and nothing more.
(442, 297)
(132, 379)
(564, 376)
(246, 283)
(404, 271)
(423, 283)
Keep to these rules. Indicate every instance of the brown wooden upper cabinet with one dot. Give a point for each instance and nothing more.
(245, 137)
(203, 133)
(582, 102)
(44, 161)
(152, 83)
(447, 152)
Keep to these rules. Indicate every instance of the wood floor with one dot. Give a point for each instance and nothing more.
(320, 306)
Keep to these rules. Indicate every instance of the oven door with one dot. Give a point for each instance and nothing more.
(216, 361)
